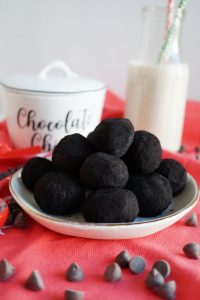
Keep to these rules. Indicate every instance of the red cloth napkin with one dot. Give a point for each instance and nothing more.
(51, 253)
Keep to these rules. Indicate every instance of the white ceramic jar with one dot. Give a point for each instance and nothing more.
(41, 109)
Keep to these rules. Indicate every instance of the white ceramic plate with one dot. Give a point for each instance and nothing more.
(75, 225)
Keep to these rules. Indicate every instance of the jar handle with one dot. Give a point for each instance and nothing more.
(57, 65)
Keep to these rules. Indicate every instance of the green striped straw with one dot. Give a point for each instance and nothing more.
(171, 31)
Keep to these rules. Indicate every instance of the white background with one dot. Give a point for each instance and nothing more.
(95, 37)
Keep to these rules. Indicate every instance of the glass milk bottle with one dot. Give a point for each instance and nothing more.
(156, 92)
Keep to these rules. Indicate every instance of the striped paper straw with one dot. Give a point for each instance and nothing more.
(172, 29)
(170, 14)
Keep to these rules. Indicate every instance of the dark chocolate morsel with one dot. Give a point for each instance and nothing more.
(70, 153)
(175, 173)
(74, 295)
(153, 193)
(113, 136)
(14, 210)
(137, 264)
(113, 273)
(34, 169)
(144, 154)
(192, 250)
(59, 193)
(123, 259)
(154, 279)
(163, 267)
(192, 220)
(110, 205)
(167, 290)
(34, 282)
(101, 170)
(74, 273)
(20, 220)
(6, 270)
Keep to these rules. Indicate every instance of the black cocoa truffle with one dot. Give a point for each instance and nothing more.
(144, 154)
(175, 173)
(110, 206)
(70, 153)
(59, 193)
(113, 136)
(101, 170)
(34, 169)
(153, 192)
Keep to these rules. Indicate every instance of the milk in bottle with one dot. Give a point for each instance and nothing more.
(156, 93)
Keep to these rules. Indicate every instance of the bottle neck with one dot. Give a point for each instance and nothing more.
(153, 35)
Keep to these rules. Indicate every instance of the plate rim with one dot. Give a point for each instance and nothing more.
(101, 225)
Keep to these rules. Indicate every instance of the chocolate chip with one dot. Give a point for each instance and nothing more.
(163, 267)
(154, 279)
(137, 264)
(113, 272)
(192, 250)
(197, 152)
(192, 220)
(20, 220)
(34, 282)
(10, 219)
(123, 259)
(74, 295)
(11, 170)
(197, 149)
(74, 273)
(6, 270)
(14, 209)
(181, 149)
(167, 290)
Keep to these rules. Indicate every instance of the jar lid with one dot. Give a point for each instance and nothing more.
(44, 82)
